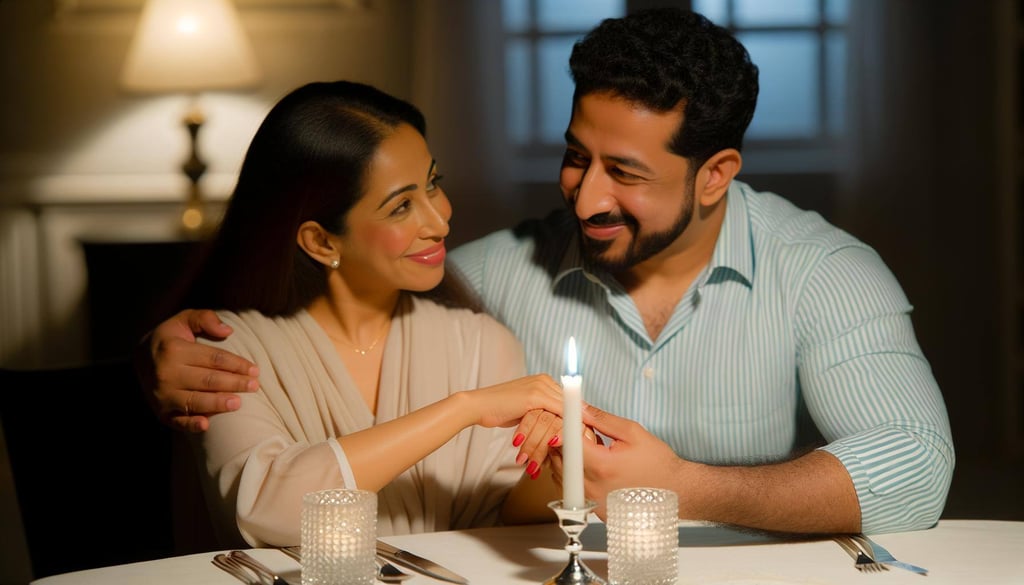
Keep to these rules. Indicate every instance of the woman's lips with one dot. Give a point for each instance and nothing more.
(431, 256)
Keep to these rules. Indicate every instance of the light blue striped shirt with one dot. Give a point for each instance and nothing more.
(791, 312)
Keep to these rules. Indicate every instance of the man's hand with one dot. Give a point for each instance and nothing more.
(810, 494)
(634, 458)
(185, 382)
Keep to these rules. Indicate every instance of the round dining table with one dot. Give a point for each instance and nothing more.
(955, 552)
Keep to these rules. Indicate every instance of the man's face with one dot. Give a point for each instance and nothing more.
(633, 198)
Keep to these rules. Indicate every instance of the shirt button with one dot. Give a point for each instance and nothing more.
(648, 373)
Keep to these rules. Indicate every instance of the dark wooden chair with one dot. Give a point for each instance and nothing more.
(91, 467)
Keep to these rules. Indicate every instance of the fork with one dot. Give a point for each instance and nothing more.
(231, 566)
(883, 556)
(861, 561)
(386, 572)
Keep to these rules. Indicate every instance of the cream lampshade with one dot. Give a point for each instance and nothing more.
(190, 46)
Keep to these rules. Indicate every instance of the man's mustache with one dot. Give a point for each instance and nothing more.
(606, 218)
(603, 219)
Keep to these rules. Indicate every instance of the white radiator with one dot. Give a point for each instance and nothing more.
(21, 290)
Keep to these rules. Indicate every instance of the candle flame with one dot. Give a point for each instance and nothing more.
(571, 357)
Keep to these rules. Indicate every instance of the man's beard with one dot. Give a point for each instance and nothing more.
(642, 246)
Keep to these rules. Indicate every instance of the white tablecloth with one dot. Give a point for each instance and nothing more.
(956, 552)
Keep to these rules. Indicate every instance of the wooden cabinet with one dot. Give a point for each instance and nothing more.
(131, 287)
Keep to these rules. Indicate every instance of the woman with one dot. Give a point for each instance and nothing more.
(329, 265)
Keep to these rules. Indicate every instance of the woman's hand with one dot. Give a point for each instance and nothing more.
(535, 404)
(537, 432)
(505, 404)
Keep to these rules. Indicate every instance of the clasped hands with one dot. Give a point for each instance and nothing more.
(538, 436)
(617, 453)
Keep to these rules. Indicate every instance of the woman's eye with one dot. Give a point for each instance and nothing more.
(433, 182)
(401, 207)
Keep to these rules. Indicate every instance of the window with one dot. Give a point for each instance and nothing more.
(539, 35)
(798, 45)
(800, 48)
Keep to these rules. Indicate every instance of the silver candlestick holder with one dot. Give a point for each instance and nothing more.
(573, 521)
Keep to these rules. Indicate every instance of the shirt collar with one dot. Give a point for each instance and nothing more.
(572, 261)
(733, 250)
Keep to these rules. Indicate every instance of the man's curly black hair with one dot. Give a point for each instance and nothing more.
(663, 58)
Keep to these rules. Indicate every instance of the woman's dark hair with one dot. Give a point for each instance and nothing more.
(662, 57)
(308, 161)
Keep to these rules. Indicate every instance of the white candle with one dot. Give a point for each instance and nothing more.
(572, 432)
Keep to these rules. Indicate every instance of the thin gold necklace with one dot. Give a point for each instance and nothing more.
(363, 352)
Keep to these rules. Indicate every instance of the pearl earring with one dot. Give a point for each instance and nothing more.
(335, 263)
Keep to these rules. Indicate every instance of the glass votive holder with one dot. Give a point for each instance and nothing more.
(339, 537)
(643, 536)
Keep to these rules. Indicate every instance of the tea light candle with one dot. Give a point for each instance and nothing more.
(642, 544)
(572, 432)
(643, 539)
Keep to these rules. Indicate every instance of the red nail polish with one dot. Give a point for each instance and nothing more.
(553, 441)
(535, 475)
(518, 439)
(532, 468)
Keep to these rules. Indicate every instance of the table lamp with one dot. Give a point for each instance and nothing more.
(190, 46)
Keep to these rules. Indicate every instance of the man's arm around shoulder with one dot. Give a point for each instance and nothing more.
(186, 382)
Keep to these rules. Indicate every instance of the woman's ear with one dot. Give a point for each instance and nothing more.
(715, 175)
(318, 243)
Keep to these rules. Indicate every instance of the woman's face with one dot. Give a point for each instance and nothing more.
(395, 232)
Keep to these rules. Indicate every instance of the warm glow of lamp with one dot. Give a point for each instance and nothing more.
(190, 46)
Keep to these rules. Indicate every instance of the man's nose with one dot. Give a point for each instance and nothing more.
(593, 195)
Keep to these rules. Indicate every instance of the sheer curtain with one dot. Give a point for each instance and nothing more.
(458, 82)
(923, 187)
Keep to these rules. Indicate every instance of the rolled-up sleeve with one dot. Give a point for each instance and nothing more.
(871, 391)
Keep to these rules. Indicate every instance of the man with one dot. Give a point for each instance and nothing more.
(706, 312)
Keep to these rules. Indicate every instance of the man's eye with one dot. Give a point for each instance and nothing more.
(625, 175)
(573, 158)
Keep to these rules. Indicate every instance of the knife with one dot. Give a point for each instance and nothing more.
(885, 557)
(257, 567)
(418, 563)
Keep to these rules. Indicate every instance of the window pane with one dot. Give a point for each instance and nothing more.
(835, 83)
(555, 87)
(714, 10)
(837, 12)
(516, 15)
(517, 91)
(787, 105)
(576, 15)
(776, 12)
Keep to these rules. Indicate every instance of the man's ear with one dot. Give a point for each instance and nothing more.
(715, 175)
(318, 243)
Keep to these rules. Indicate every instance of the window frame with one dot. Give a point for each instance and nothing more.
(819, 154)
(822, 153)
